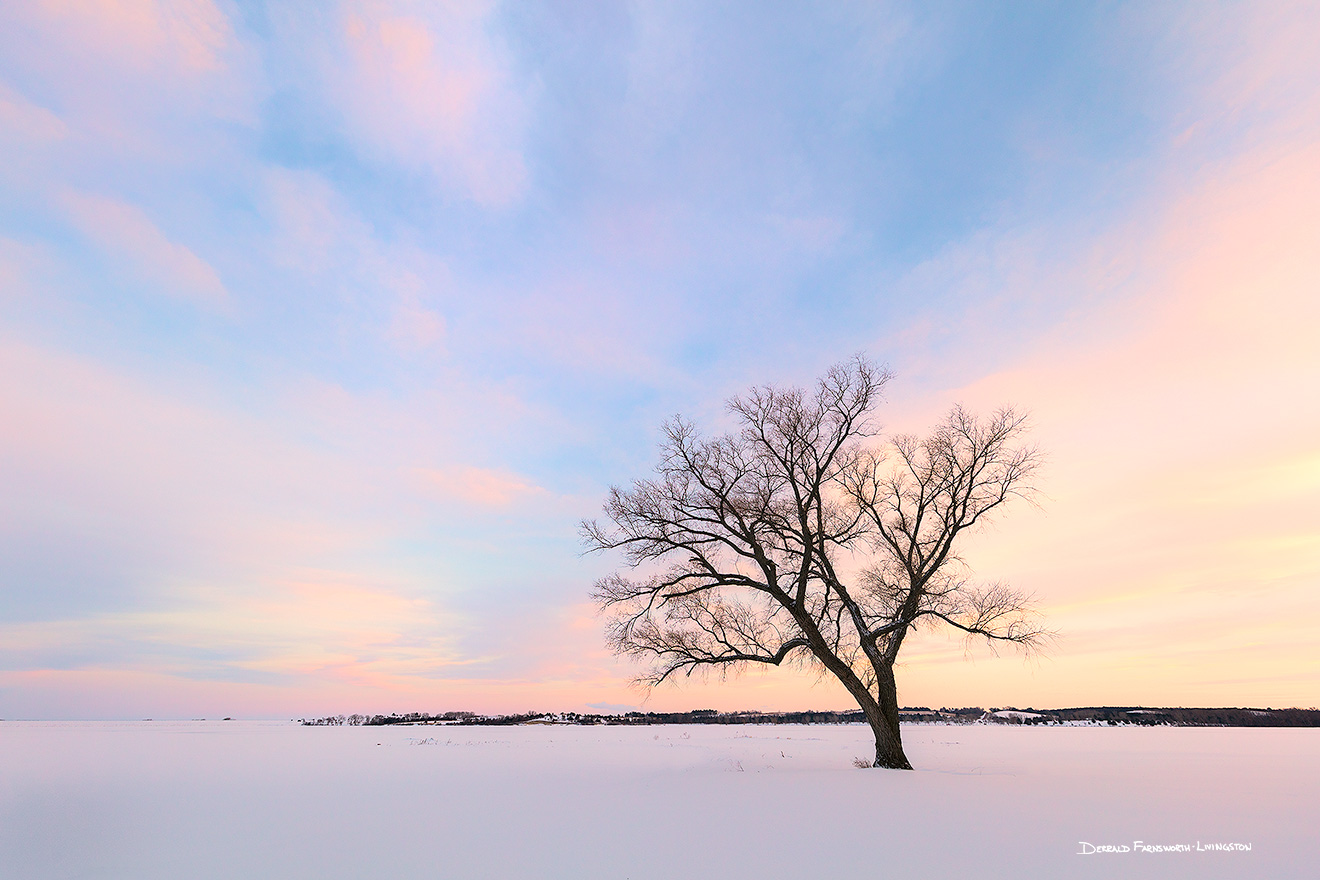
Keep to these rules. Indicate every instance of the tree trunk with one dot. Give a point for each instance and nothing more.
(884, 722)
(880, 709)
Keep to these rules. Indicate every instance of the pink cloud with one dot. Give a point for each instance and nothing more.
(133, 77)
(312, 224)
(20, 118)
(191, 34)
(414, 326)
(129, 237)
(1247, 63)
(20, 263)
(428, 86)
(481, 486)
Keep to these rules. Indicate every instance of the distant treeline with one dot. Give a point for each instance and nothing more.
(1222, 717)
(1108, 715)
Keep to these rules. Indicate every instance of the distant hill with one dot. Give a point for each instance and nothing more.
(1086, 716)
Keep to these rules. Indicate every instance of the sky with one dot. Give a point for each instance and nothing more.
(323, 325)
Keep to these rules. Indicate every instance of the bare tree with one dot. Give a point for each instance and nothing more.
(738, 546)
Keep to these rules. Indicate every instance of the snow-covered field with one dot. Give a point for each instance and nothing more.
(254, 800)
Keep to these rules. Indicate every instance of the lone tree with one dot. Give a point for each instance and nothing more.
(743, 548)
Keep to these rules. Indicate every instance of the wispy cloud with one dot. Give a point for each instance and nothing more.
(481, 486)
(20, 118)
(431, 88)
(128, 237)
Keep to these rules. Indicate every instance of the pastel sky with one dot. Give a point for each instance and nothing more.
(322, 326)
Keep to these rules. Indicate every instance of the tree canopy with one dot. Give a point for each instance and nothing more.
(740, 548)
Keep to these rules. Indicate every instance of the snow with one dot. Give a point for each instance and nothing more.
(256, 800)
